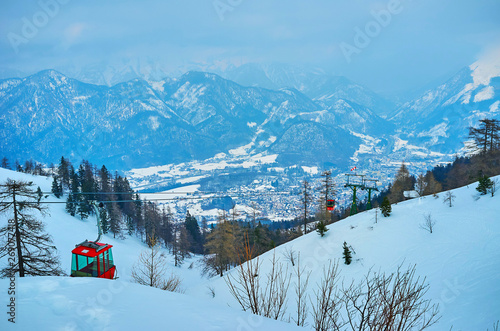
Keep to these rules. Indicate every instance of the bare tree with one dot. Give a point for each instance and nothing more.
(486, 137)
(375, 217)
(421, 184)
(389, 302)
(29, 250)
(326, 309)
(306, 200)
(301, 293)
(494, 187)
(246, 287)
(220, 246)
(449, 198)
(290, 255)
(428, 224)
(151, 269)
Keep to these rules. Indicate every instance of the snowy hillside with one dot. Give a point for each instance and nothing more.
(461, 258)
(64, 303)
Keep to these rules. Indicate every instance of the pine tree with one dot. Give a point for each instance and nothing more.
(130, 225)
(63, 172)
(321, 228)
(385, 207)
(194, 234)
(35, 255)
(484, 185)
(39, 194)
(5, 163)
(347, 254)
(103, 216)
(115, 220)
(56, 188)
(71, 205)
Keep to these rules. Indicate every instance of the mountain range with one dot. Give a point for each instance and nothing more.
(306, 117)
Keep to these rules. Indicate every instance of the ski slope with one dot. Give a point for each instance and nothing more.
(461, 261)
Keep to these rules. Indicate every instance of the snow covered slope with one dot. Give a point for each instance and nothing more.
(64, 303)
(461, 258)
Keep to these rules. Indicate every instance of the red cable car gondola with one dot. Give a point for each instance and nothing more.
(330, 205)
(92, 258)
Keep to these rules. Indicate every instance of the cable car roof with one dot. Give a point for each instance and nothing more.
(90, 249)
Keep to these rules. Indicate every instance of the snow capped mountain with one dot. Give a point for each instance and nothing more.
(316, 84)
(440, 117)
(312, 118)
(139, 123)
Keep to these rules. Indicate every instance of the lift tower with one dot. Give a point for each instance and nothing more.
(370, 185)
(354, 181)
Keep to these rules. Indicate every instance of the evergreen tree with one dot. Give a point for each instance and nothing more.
(56, 188)
(194, 234)
(83, 207)
(88, 186)
(115, 220)
(39, 194)
(347, 254)
(19, 167)
(35, 253)
(484, 185)
(385, 207)
(63, 172)
(321, 228)
(166, 226)
(71, 204)
(103, 215)
(5, 163)
(184, 242)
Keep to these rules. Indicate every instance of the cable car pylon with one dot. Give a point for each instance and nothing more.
(355, 182)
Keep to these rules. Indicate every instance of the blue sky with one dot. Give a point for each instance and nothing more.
(406, 43)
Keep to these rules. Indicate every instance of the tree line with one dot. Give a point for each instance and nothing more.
(125, 213)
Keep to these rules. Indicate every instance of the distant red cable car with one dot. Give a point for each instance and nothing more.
(330, 205)
(92, 258)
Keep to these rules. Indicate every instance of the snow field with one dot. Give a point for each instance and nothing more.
(460, 259)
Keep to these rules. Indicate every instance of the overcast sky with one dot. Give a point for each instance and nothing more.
(412, 43)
